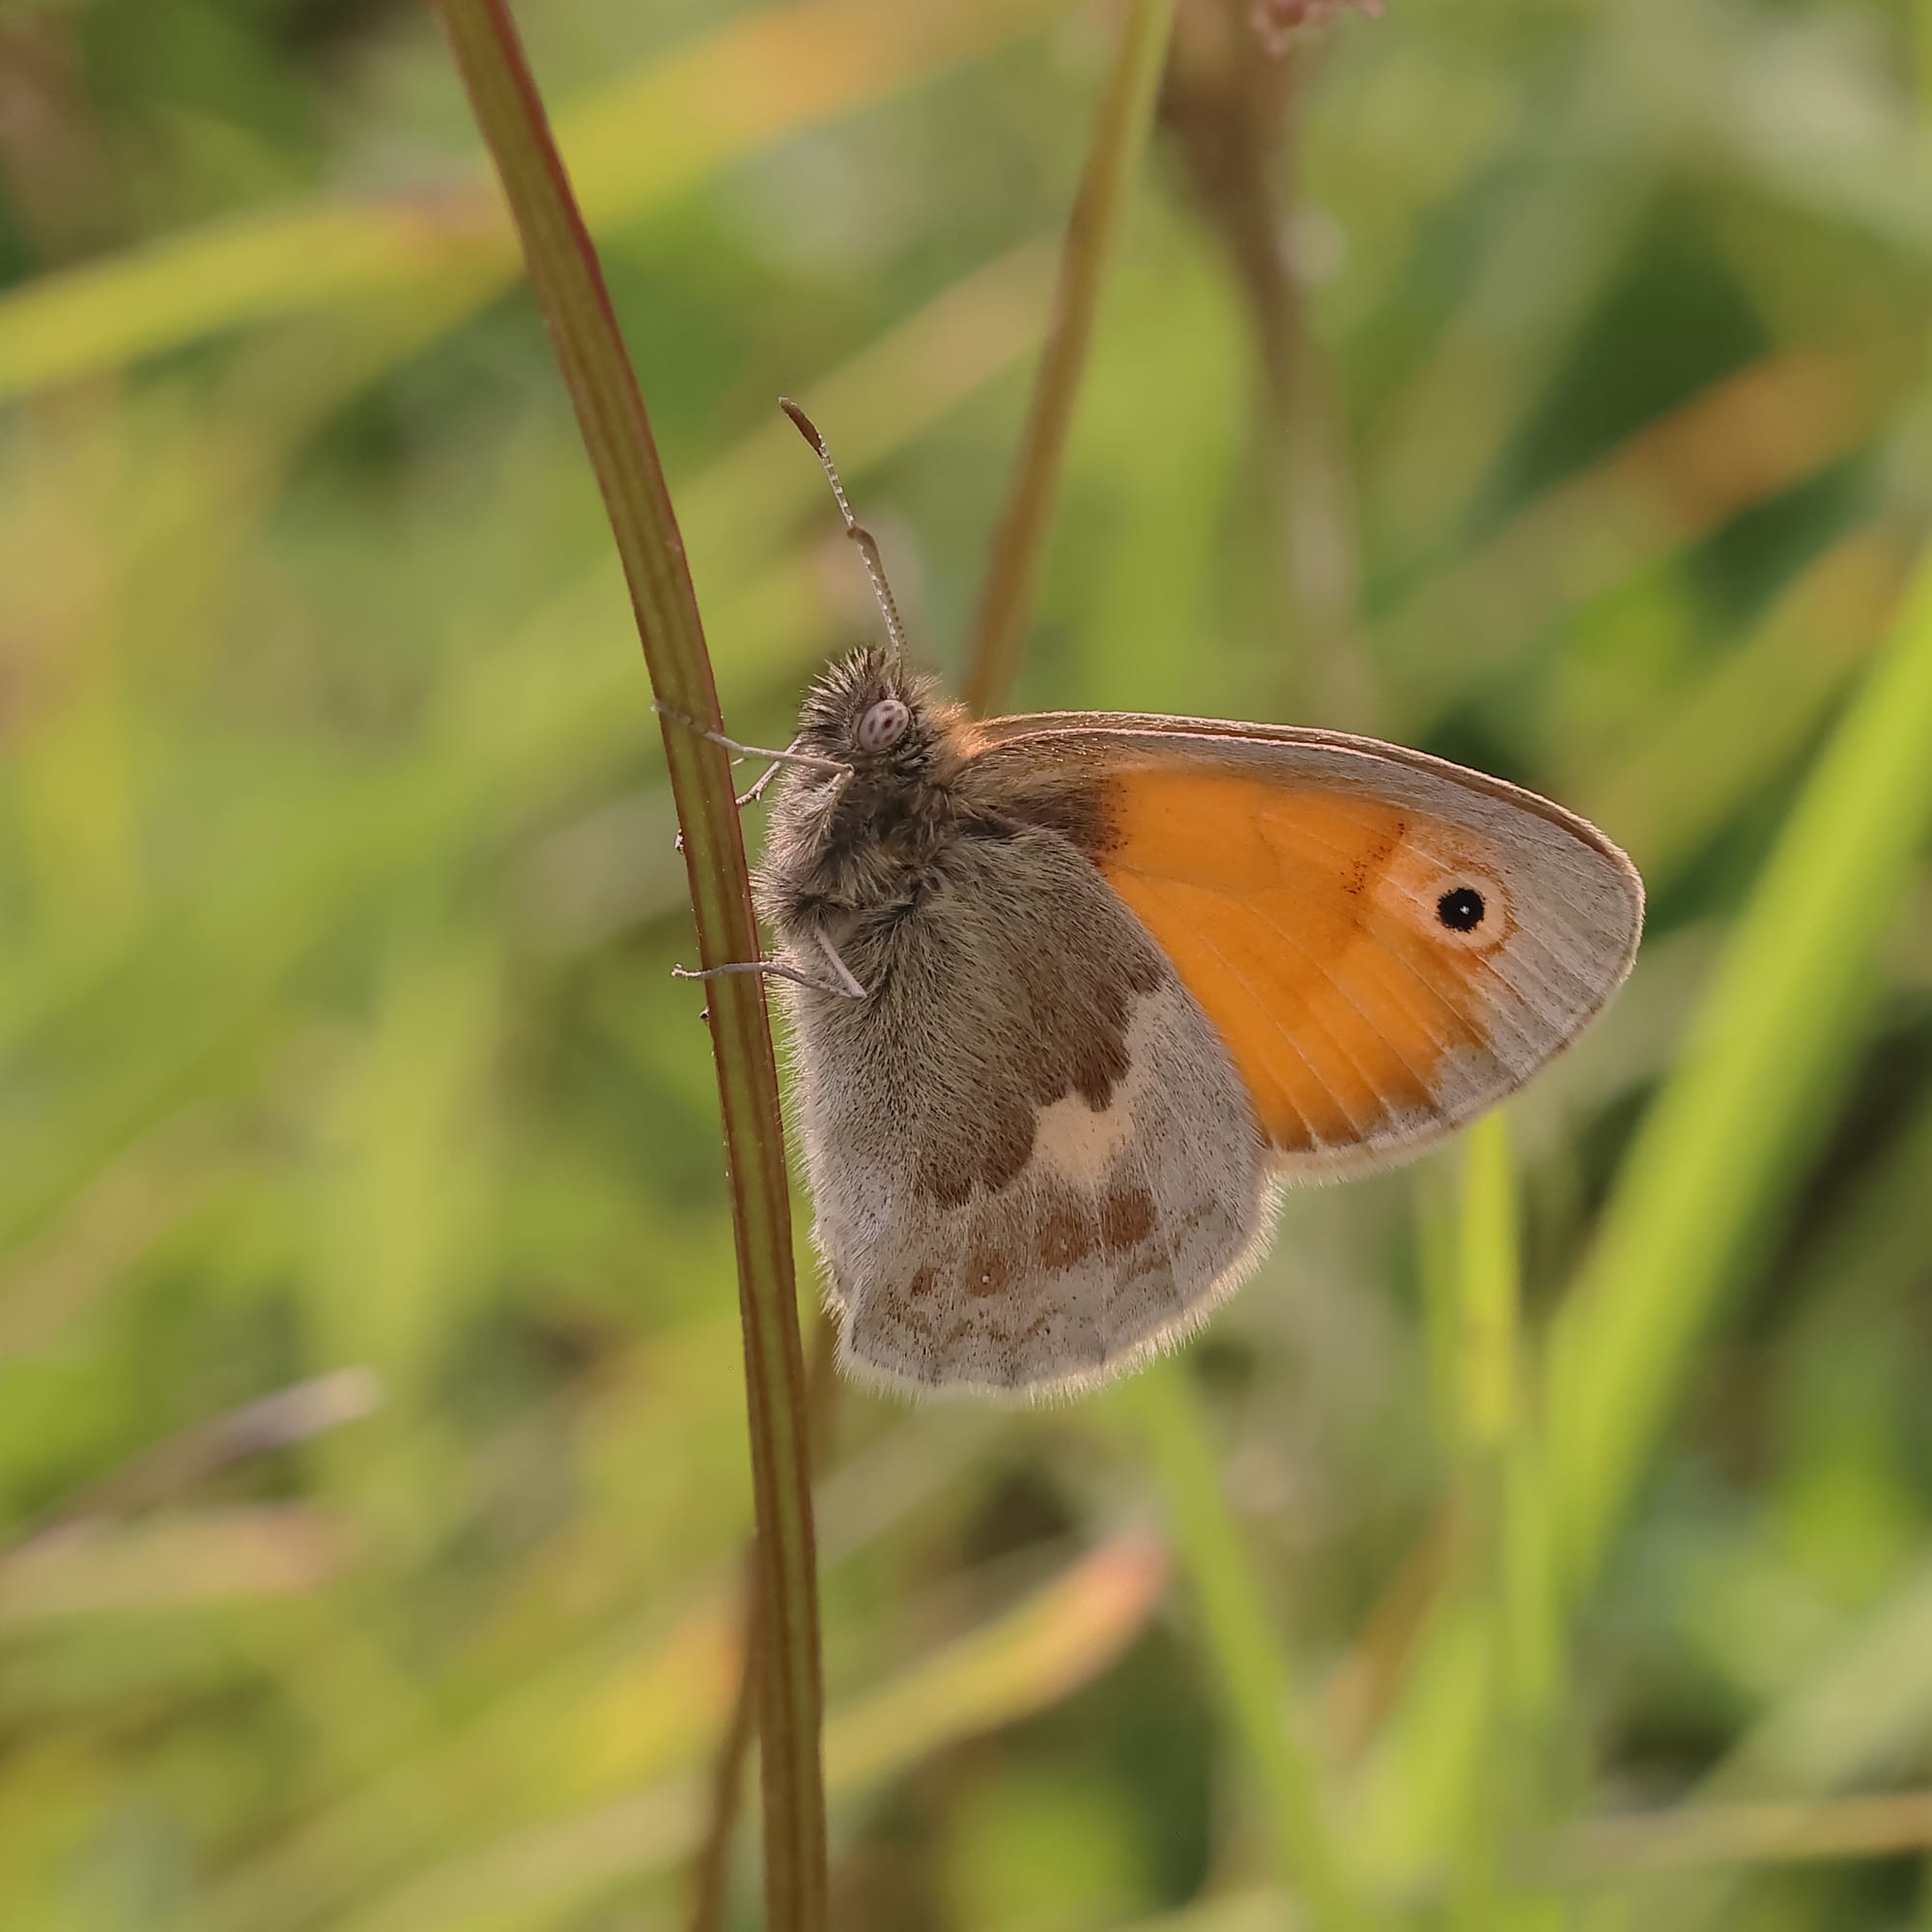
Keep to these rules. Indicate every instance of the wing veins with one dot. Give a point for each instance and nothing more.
(1336, 987)
(1295, 1047)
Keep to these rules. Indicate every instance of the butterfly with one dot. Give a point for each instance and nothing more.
(1071, 995)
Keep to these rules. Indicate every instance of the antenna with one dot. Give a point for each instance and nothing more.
(868, 544)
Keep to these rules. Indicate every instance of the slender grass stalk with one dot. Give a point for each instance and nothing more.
(1482, 1317)
(1489, 1281)
(1113, 164)
(617, 438)
(1506, 1554)
(1503, 1435)
(1773, 1048)
(1252, 1666)
(711, 1867)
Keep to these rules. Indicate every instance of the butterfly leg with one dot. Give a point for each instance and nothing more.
(771, 771)
(845, 984)
(790, 755)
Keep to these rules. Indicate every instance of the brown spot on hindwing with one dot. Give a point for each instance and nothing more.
(1066, 1234)
(1014, 985)
(1126, 1226)
(1128, 1218)
(988, 1272)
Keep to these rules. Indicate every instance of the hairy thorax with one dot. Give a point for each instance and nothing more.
(869, 829)
(871, 849)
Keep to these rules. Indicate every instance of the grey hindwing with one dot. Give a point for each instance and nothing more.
(1032, 1158)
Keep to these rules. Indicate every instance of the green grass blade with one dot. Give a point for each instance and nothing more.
(1248, 1658)
(1505, 1562)
(1764, 1064)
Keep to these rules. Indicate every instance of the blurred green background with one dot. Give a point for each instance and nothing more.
(373, 1474)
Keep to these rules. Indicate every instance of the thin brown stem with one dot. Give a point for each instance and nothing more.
(1112, 161)
(616, 432)
(1233, 111)
(712, 1867)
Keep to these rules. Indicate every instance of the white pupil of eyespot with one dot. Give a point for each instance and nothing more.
(883, 725)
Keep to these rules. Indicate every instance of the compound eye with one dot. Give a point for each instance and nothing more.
(884, 725)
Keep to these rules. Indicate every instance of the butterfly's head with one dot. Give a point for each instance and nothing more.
(869, 713)
(853, 838)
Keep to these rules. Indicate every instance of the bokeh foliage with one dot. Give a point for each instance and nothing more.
(1584, 1471)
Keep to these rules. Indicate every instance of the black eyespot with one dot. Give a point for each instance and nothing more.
(1460, 909)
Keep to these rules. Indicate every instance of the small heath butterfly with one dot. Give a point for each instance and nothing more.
(1069, 996)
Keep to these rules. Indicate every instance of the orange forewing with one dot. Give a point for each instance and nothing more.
(1302, 920)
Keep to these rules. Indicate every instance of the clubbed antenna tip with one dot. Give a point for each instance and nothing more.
(868, 544)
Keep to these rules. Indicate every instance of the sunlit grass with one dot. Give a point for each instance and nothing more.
(1262, 1701)
(1762, 1074)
